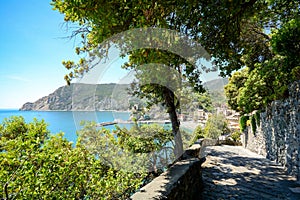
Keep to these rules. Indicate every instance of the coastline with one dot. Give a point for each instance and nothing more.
(120, 111)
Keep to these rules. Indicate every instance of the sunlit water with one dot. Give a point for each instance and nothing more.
(66, 121)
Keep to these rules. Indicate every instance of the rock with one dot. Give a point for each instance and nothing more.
(278, 137)
(83, 97)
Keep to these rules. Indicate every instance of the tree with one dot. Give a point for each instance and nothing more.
(204, 101)
(99, 21)
(236, 82)
(216, 126)
(233, 33)
(236, 32)
(139, 149)
(250, 90)
(198, 133)
(37, 165)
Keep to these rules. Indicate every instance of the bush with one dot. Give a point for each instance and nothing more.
(35, 164)
(197, 134)
(253, 124)
(257, 117)
(216, 126)
(236, 136)
(296, 73)
(243, 122)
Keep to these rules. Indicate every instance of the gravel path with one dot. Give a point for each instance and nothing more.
(232, 172)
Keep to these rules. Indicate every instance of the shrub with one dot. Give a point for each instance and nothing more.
(257, 117)
(236, 136)
(197, 134)
(35, 164)
(216, 126)
(253, 124)
(296, 73)
(243, 122)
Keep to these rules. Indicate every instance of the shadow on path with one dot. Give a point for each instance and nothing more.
(232, 172)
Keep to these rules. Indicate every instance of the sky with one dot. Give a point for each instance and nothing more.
(33, 45)
(32, 48)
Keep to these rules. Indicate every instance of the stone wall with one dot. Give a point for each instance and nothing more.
(182, 181)
(254, 142)
(278, 136)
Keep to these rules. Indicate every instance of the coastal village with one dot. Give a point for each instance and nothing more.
(200, 117)
(189, 120)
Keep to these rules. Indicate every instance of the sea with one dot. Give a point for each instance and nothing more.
(68, 122)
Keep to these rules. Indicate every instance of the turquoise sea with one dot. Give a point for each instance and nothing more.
(66, 121)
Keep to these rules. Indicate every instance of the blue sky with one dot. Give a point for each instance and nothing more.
(32, 49)
(33, 46)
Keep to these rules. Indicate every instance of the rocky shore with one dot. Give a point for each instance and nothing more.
(83, 97)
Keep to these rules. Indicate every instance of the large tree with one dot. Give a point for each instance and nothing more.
(250, 90)
(100, 21)
(233, 32)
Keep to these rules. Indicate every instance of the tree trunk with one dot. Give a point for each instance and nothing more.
(178, 149)
(171, 109)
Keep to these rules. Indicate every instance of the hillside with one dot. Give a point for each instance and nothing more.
(216, 90)
(84, 97)
(104, 97)
(216, 84)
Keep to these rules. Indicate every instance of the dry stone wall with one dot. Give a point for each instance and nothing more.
(182, 181)
(278, 136)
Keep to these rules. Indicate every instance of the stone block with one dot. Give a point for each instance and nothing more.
(182, 181)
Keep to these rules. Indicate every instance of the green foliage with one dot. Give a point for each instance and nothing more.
(233, 32)
(216, 126)
(37, 165)
(285, 41)
(197, 134)
(253, 124)
(139, 149)
(296, 73)
(236, 81)
(236, 136)
(205, 101)
(192, 101)
(144, 139)
(257, 118)
(267, 81)
(243, 122)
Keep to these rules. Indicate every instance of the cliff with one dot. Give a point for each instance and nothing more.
(84, 97)
(88, 97)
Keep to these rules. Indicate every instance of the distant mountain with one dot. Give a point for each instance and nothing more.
(104, 97)
(84, 97)
(216, 84)
(216, 90)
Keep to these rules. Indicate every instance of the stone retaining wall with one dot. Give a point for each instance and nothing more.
(182, 181)
(278, 136)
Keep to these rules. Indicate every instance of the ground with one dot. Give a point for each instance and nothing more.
(232, 172)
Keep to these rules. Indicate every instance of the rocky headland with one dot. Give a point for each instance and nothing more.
(84, 97)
